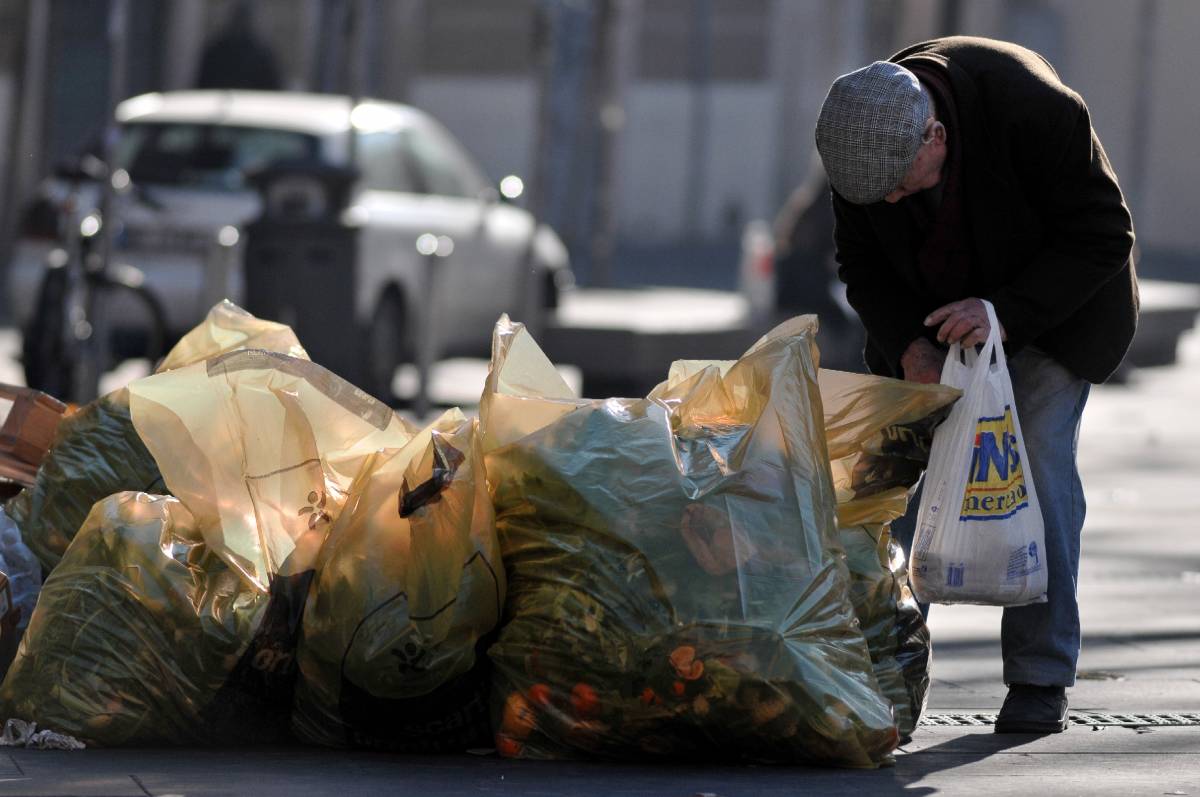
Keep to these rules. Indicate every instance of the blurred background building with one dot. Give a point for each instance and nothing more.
(649, 132)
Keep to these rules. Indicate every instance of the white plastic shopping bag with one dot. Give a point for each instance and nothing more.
(980, 537)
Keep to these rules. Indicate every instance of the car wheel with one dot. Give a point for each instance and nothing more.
(386, 345)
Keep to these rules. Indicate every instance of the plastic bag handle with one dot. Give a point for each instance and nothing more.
(993, 346)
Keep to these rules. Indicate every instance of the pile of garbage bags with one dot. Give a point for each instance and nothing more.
(244, 547)
(215, 612)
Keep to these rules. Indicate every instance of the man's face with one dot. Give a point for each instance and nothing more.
(926, 170)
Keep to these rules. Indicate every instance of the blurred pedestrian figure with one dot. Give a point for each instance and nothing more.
(806, 272)
(235, 58)
(964, 169)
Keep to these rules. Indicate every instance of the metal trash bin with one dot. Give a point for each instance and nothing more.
(300, 260)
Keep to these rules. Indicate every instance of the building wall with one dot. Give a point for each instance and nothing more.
(1168, 217)
(495, 117)
(1134, 62)
(473, 64)
(654, 182)
(1099, 60)
(651, 171)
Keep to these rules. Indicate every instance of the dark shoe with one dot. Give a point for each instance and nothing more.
(1033, 709)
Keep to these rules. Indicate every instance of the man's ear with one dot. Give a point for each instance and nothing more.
(939, 132)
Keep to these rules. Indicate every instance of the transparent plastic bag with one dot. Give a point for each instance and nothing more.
(261, 447)
(96, 452)
(226, 328)
(409, 585)
(879, 432)
(142, 636)
(675, 585)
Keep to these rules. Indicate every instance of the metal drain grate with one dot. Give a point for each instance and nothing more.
(1092, 719)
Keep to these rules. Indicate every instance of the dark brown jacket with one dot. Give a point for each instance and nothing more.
(1051, 238)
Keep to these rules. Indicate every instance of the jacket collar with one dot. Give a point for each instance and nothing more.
(981, 182)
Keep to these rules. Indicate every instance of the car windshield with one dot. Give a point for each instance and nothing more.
(206, 156)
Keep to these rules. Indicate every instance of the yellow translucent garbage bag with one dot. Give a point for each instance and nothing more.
(261, 448)
(142, 636)
(675, 587)
(879, 432)
(409, 585)
(228, 327)
(97, 452)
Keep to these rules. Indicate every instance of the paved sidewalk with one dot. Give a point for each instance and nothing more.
(1139, 589)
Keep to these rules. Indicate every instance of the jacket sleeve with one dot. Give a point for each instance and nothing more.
(886, 304)
(1087, 230)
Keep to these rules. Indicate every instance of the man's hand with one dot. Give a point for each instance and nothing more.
(922, 362)
(964, 322)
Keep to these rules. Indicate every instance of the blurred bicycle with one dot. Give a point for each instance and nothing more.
(68, 341)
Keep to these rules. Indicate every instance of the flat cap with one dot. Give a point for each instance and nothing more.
(870, 129)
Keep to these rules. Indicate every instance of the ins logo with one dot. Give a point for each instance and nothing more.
(996, 480)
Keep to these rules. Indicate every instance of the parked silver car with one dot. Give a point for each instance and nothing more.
(185, 157)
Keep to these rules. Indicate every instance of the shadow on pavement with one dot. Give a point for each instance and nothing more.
(913, 767)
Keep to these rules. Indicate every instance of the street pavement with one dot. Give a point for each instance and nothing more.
(1139, 588)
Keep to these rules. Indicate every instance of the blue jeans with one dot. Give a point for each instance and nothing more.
(1040, 642)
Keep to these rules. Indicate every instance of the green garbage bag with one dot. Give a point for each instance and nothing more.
(879, 432)
(675, 585)
(409, 586)
(896, 634)
(96, 452)
(142, 636)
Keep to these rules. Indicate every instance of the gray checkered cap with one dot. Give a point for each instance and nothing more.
(870, 129)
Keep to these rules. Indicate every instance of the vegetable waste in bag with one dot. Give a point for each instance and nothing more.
(879, 432)
(97, 452)
(261, 450)
(139, 635)
(408, 584)
(675, 584)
